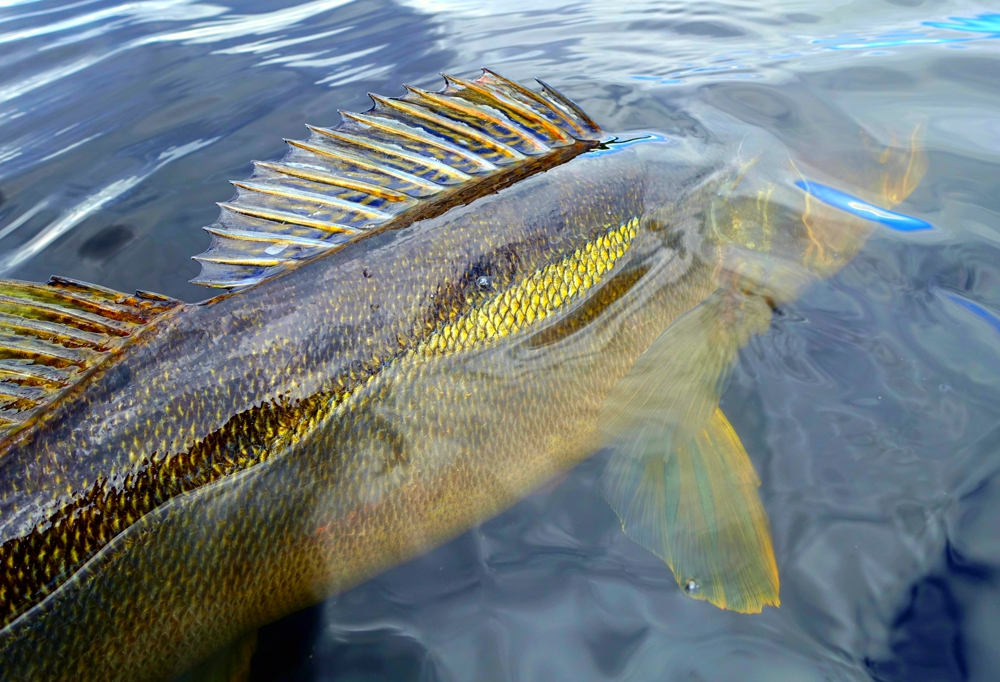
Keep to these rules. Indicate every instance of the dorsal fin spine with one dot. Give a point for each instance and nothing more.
(54, 335)
(539, 146)
(388, 126)
(334, 153)
(22, 376)
(433, 164)
(335, 181)
(269, 237)
(566, 104)
(49, 358)
(281, 217)
(457, 127)
(235, 260)
(78, 320)
(153, 296)
(538, 99)
(309, 196)
(61, 290)
(512, 106)
(18, 399)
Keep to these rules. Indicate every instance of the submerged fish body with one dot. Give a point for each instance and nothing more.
(233, 461)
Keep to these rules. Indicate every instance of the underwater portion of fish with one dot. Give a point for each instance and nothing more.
(436, 306)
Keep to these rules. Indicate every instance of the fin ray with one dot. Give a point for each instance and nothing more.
(288, 193)
(53, 335)
(680, 480)
(527, 118)
(406, 158)
(418, 142)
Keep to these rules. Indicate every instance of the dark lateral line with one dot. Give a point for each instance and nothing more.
(79, 530)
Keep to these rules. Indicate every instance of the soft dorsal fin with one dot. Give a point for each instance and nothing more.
(53, 335)
(405, 159)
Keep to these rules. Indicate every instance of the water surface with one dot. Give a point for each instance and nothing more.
(871, 409)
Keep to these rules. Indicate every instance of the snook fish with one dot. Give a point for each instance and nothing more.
(434, 307)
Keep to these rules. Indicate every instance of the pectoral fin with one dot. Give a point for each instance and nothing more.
(719, 543)
(680, 479)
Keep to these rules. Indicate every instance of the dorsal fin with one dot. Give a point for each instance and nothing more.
(53, 335)
(405, 159)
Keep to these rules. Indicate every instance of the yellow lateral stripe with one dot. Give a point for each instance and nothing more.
(541, 294)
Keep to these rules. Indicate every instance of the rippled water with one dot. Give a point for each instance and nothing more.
(870, 409)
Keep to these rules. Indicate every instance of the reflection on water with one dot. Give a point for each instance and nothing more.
(870, 408)
(863, 209)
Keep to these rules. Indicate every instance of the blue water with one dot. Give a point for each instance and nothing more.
(871, 409)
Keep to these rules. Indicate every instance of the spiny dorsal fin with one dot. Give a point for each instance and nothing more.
(405, 159)
(53, 335)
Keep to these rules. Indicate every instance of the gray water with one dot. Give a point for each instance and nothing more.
(870, 409)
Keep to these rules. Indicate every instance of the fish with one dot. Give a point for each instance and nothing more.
(427, 311)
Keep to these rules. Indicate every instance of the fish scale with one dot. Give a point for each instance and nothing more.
(405, 352)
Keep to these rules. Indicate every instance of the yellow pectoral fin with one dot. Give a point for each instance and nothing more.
(697, 508)
(680, 480)
(719, 540)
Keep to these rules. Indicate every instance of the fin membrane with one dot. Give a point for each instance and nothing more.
(405, 159)
(53, 335)
(680, 480)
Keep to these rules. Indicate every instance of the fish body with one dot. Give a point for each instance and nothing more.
(242, 458)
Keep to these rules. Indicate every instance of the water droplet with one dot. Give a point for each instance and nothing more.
(691, 586)
(485, 282)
